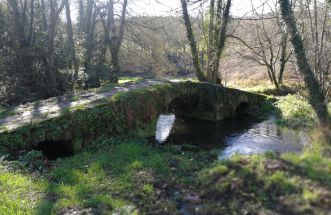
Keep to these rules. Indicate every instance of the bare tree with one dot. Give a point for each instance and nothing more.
(192, 42)
(71, 42)
(316, 98)
(264, 41)
(218, 22)
(313, 19)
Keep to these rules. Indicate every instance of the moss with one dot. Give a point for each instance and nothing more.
(117, 116)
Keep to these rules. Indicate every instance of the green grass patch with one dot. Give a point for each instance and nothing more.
(5, 112)
(132, 175)
(19, 193)
(286, 184)
(122, 173)
(296, 112)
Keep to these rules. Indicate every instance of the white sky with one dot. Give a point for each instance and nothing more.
(172, 7)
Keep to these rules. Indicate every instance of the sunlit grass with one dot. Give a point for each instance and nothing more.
(105, 179)
(126, 79)
(296, 112)
(20, 194)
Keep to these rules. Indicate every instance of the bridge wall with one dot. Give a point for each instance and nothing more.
(122, 112)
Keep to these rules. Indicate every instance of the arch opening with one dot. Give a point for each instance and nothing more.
(242, 109)
(189, 106)
(56, 149)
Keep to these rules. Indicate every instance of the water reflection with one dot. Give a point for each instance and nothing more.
(243, 135)
(263, 137)
(163, 127)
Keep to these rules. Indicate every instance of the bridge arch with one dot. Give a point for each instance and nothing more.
(243, 108)
(189, 105)
(119, 113)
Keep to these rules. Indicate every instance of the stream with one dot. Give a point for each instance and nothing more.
(241, 135)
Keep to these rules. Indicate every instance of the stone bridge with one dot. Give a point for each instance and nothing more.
(76, 120)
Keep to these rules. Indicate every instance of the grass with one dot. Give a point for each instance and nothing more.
(131, 176)
(296, 112)
(5, 112)
(2, 111)
(286, 184)
(130, 173)
(18, 191)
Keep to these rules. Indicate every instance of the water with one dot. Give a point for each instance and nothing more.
(242, 135)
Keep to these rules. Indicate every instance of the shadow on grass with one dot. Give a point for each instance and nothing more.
(242, 189)
(310, 170)
(104, 181)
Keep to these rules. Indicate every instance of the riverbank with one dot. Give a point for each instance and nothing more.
(132, 176)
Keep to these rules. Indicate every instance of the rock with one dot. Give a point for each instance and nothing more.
(274, 165)
(192, 198)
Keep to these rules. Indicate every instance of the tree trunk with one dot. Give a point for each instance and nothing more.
(211, 43)
(81, 16)
(31, 22)
(283, 57)
(88, 29)
(93, 81)
(216, 78)
(273, 77)
(43, 14)
(114, 72)
(71, 42)
(190, 36)
(316, 97)
(118, 42)
(18, 33)
(51, 71)
(88, 16)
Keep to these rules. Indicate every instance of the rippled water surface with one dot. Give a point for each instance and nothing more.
(243, 135)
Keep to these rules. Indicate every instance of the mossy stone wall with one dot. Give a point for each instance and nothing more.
(123, 112)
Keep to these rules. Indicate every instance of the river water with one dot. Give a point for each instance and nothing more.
(242, 135)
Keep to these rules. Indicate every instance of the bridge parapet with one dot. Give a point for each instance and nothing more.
(117, 111)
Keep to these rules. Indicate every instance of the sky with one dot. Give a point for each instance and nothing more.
(172, 7)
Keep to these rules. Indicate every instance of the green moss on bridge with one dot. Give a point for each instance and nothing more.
(125, 111)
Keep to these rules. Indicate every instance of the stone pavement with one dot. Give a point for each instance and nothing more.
(46, 109)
